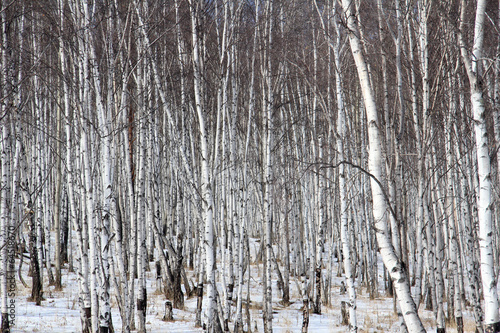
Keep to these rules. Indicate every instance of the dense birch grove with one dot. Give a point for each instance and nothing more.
(163, 136)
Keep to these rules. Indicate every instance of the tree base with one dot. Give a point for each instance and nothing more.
(87, 320)
(344, 313)
(492, 328)
(305, 318)
(169, 312)
(103, 329)
(5, 322)
(460, 324)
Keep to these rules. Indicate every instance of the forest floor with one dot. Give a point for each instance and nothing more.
(60, 309)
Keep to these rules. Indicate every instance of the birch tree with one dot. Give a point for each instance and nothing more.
(391, 261)
(472, 66)
(4, 215)
(213, 324)
(5, 180)
(344, 214)
(268, 106)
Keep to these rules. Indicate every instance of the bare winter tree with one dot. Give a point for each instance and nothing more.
(472, 63)
(391, 261)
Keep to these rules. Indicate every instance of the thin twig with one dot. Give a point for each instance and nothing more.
(386, 197)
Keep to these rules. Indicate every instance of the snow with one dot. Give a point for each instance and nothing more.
(60, 311)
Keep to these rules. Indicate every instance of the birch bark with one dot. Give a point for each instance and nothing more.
(268, 181)
(5, 178)
(484, 201)
(4, 216)
(454, 254)
(238, 326)
(392, 263)
(344, 214)
(418, 129)
(213, 324)
(57, 199)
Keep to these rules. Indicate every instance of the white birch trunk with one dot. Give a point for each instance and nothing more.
(268, 218)
(244, 194)
(5, 178)
(103, 227)
(131, 210)
(468, 246)
(107, 154)
(57, 203)
(484, 201)
(392, 263)
(454, 254)
(4, 217)
(83, 267)
(141, 232)
(420, 170)
(206, 185)
(140, 194)
(439, 282)
(92, 232)
(38, 163)
(119, 230)
(341, 135)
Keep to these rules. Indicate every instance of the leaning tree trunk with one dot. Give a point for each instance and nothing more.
(380, 211)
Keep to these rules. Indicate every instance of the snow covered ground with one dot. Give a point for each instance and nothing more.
(60, 312)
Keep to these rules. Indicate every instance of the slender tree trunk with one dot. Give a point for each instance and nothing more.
(454, 253)
(213, 324)
(57, 199)
(244, 195)
(420, 171)
(268, 181)
(5, 231)
(5, 178)
(141, 199)
(344, 235)
(491, 303)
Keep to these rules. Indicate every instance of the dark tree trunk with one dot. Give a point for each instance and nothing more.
(65, 234)
(492, 328)
(169, 312)
(344, 313)
(142, 304)
(460, 324)
(286, 280)
(305, 315)
(87, 324)
(317, 306)
(199, 293)
(177, 294)
(428, 305)
(389, 289)
(36, 289)
(173, 289)
(5, 323)
(159, 284)
(103, 329)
